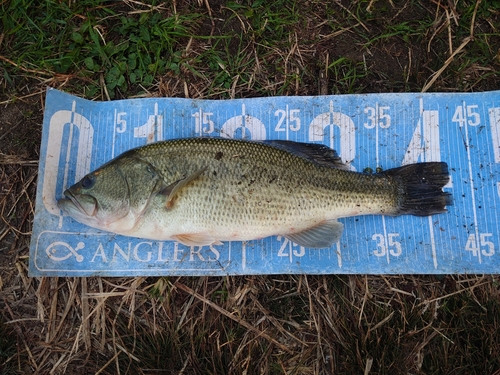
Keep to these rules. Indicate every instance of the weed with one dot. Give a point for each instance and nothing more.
(91, 41)
(136, 50)
(346, 73)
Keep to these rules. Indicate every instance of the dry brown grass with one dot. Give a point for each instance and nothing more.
(281, 324)
(253, 325)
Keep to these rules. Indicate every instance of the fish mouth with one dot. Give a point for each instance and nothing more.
(82, 204)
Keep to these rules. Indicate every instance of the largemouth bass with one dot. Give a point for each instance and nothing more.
(201, 191)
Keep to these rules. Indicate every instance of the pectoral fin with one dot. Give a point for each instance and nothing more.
(171, 190)
(196, 239)
(324, 234)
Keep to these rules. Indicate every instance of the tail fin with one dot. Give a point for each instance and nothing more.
(422, 185)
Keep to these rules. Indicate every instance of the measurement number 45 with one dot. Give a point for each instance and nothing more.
(466, 114)
(487, 248)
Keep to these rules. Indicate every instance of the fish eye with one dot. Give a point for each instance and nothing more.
(88, 181)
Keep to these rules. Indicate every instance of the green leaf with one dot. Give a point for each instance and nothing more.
(91, 91)
(152, 68)
(132, 61)
(120, 81)
(122, 66)
(249, 13)
(89, 63)
(148, 80)
(144, 33)
(112, 77)
(174, 67)
(77, 37)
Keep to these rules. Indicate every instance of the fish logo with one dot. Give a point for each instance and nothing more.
(60, 251)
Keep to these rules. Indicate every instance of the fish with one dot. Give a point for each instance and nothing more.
(203, 191)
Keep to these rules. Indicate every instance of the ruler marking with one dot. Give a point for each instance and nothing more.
(433, 243)
(243, 255)
(339, 254)
(473, 197)
(430, 123)
(483, 144)
(494, 114)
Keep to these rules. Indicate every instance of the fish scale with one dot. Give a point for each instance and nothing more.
(201, 191)
(260, 187)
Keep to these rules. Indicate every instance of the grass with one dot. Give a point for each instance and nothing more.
(280, 324)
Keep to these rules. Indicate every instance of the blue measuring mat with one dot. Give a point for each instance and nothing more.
(374, 130)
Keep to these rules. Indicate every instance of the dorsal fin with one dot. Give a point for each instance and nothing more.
(316, 153)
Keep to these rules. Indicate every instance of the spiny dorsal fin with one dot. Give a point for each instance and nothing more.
(317, 153)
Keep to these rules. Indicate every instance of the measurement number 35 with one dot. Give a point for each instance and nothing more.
(377, 116)
(386, 244)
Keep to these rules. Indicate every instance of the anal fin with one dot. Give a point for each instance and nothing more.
(196, 239)
(324, 234)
